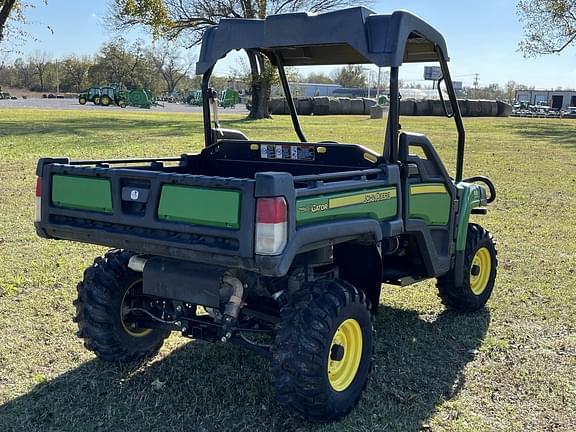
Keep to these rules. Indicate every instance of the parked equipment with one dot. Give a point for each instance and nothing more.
(90, 95)
(141, 98)
(195, 98)
(113, 94)
(280, 247)
(229, 98)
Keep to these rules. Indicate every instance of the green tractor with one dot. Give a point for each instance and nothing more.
(229, 98)
(91, 95)
(113, 95)
(280, 247)
(195, 98)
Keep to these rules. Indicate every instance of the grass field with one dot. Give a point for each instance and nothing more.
(511, 367)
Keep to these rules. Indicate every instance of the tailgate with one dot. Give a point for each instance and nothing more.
(147, 211)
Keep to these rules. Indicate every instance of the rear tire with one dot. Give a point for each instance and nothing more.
(105, 101)
(480, 267)
(82, 101)
(322, 351)
(107, 288)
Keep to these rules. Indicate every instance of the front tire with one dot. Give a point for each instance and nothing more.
(322, 351)
(107, 290)
(82, 101)
(480, 267)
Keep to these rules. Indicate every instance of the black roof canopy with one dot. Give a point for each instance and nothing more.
(348, 36)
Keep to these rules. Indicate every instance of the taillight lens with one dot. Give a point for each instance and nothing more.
(38, 212)
(271, 225)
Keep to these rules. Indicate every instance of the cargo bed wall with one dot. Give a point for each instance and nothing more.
(146, 210)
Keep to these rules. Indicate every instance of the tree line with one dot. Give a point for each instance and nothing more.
(161, 68)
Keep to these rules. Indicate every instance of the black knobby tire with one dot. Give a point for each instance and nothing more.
(82, 101)
(99, 312)
(105, 101)
(302, 346)
(462, 297)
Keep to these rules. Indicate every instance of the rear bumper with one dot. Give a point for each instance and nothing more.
(303, 240)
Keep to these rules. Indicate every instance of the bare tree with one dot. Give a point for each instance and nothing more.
(170, 65)
(13, 11)
(39, 63)
(549, 25)
(6, 7)
(187, 19)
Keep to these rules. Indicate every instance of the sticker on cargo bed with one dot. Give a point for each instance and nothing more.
(287, 152)
(350, 200)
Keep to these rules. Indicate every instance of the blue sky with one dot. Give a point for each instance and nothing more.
(482, 38)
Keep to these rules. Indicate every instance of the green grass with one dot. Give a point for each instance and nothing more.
(511, 367)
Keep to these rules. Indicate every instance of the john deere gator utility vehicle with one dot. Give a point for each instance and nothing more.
(281, 247)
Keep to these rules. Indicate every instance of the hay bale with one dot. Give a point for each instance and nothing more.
(304, 106)
(368, 103)
(504, 109)
(321, 105)
(462, 103)
(278, 106)
(345, 106)
(422, 108)
(356, 106)
(334, 107)
(407, 107)
(436, 108)
(376, 112)
(489, 108)
(474, 108)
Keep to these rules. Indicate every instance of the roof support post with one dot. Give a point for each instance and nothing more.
(206, 95)
(391, 143)
(289, 100)
(457, 115)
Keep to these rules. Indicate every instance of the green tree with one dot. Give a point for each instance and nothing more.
(549, 25)
(188, 19)
(75, 73)
(351, 76)
(318, 78)
(121, 62)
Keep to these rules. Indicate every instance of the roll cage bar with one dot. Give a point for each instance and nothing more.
(416, 49)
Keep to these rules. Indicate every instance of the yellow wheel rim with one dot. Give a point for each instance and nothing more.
(345, 355)
(126, 324)
(480, 271)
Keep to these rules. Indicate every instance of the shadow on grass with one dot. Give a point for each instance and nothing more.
(96, 126)
(553, 130)
(200, 387)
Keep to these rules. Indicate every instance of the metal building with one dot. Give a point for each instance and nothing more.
(557, 99)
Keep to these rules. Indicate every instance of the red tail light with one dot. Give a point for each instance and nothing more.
(271, 210)
(271, 225)
(38, 187)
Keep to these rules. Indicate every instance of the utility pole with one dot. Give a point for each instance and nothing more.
(476, 76)
(57, 80)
